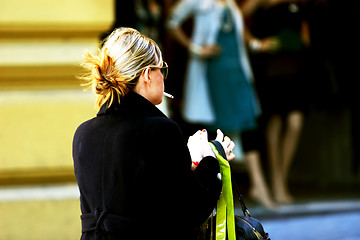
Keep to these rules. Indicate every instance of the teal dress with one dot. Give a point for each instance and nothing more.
(232, 95)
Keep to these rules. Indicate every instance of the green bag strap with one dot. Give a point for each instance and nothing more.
(225, 206)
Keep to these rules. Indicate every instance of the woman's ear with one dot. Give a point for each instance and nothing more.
(147, 76)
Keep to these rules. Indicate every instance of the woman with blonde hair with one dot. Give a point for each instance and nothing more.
(136, 175)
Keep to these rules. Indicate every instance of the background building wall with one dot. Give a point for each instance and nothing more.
(41, 104)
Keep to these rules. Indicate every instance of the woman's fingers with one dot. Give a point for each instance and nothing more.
(227, 144)
(194, 136)
(231, 156)
(207, 151)
(226, 141)
(219, 136)
(194, 146)
(231, 146)
(203, 135)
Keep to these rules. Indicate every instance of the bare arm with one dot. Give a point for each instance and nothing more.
(179, 35)
(269, 44)
(204, 51)
(248, 7)
(305, 33)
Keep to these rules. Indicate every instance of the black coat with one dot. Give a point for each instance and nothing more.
(134, 173)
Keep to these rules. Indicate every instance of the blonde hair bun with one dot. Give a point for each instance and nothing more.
(115, 69)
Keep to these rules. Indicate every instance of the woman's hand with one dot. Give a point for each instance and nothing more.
(227, 144)
(271, 44)
(199, 147)
(205, 51)
(210, 51)
(266, 45)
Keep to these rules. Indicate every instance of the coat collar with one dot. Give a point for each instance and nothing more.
(132, 102)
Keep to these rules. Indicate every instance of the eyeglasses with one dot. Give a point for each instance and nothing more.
(163, 69)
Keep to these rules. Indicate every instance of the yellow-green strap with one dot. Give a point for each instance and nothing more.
(225, 206)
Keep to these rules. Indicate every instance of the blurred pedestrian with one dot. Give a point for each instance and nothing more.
(218, 91)
(278, 36)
